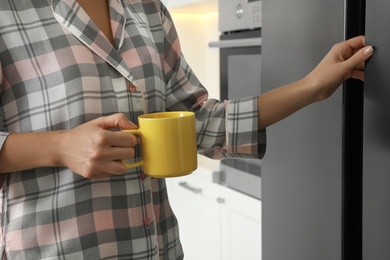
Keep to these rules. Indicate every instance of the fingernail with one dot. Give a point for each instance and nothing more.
(368, 50)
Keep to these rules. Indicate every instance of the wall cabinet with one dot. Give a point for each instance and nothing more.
(215, 222)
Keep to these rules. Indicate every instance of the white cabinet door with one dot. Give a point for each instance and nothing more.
(194, 202)
(241, 226)
(215, 222)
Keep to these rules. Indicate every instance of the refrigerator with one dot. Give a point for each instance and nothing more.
(326, 172)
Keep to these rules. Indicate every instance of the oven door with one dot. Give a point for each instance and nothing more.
(240, 65)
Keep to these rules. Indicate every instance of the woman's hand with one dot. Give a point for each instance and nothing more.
(93, 151)
(345, 60)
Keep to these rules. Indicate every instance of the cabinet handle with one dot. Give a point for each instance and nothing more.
(185, 185)
(221, 200)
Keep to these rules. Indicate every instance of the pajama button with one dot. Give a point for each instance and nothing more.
(142, 176)
(147, 221)
(132, 88)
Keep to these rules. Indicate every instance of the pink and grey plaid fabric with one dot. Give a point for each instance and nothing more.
(59, 71)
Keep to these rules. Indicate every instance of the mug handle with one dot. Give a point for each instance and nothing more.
(135, 164)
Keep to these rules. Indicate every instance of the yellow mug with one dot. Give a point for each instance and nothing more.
(168, 144)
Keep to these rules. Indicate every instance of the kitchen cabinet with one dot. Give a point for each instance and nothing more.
(240, 226)
(195, 203)
(215, 222)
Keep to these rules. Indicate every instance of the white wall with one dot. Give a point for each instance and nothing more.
(191, 6)
(195, 31)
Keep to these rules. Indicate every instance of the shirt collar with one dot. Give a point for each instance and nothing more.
(74, 19)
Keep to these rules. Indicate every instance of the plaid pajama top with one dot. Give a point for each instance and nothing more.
(59, 71)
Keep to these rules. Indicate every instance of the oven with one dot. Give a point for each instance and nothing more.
(240, 64)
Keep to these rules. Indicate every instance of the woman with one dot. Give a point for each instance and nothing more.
(72, 72)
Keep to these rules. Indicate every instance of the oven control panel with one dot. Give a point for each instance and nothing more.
(236, 15)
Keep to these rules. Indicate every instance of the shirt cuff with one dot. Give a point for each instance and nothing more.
(3, 137)
(243, 137)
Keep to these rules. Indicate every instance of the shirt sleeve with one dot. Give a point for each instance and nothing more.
(224, 128)
(3, 134)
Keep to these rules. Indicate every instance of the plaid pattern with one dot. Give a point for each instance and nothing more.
(59, 71)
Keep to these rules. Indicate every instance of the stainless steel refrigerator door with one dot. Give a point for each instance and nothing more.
(301, 171)
(376, 135)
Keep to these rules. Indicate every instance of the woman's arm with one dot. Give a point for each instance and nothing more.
(91, 150)
(345, 60)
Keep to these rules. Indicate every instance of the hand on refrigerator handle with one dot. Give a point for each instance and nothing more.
(345, 60)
